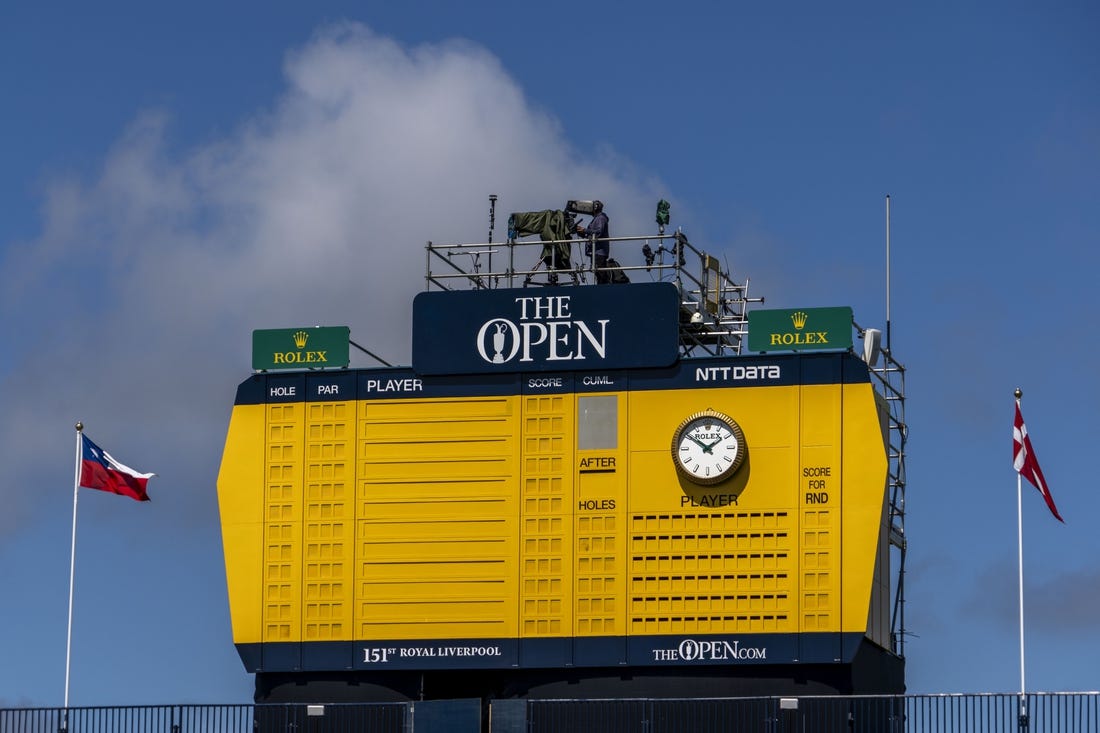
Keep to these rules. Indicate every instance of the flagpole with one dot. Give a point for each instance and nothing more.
(1020, 560)
(72, 565)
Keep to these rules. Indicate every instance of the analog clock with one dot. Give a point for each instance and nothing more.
(708, 447)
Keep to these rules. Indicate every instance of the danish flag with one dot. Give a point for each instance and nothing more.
(1025, 463)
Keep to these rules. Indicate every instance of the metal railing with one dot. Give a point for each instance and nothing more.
(1053, 712)
(970, 713)
(713, 306)
(379, 717)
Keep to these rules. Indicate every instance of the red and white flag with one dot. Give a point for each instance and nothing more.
(98, 470)
(1025, 463)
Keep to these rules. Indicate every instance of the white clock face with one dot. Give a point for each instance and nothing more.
(708, 447)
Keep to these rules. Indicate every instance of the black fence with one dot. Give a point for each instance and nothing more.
(994, 713)
(978, 713)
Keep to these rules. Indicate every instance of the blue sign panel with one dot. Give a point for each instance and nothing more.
(546, 329)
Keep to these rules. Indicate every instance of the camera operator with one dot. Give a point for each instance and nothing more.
(599, 230)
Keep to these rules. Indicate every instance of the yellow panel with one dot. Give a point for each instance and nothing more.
(436, 535)
(720, 558)
(726, 572)
(407, 627)
(601, 549)
(240, 504)
(472, 518)
(821, 493)
(767, 416)
(284, 449)
(329, 522)
(546, 512)
(429, 549)
(436, 440)
(865, 468)
(442, 409)
(878, 625)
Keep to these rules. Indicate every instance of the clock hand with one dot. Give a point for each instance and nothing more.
(701, 444)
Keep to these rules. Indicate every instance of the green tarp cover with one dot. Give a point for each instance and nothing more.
(550, 225)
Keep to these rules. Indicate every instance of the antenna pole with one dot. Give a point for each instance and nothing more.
(492, 225)
(492, 215)
(888, 272)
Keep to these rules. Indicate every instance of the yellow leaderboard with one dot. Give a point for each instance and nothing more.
(721, 511)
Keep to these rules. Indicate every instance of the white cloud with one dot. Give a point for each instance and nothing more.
(136, 303)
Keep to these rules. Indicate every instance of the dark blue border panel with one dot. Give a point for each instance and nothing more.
(704, 373)
(285, 388)
(599, 651)
(331, 387)
(251, 656)
(711, 649)
(436, 654)
(536, 330)
(251, 391)
(720, 372)
(546, 652)
(547, 383)
(322, 656)
(391, 384)
(281, 657)
(556, 652)
(822, 368)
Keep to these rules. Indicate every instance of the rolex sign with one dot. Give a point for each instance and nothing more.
(801, 329)
(300, 348)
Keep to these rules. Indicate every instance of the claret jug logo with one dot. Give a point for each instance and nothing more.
(543, 329)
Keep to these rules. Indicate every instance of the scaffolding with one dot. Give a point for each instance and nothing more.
(713, 306)
(891, 381)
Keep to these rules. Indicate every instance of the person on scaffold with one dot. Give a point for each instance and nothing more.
(598, 232)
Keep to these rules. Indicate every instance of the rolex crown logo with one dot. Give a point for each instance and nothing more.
(300, 338)
(799, 318)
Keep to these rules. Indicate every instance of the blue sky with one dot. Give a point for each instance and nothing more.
(176, 177)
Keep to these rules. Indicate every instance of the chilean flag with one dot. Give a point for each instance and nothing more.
(98, 470)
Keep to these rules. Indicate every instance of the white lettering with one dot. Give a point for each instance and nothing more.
(600, 346)
(555, 328)
(377, 655)
(499, 340)
(737, 373)
(706, 650)
(545, 307)
(409, 384)
(527, 328)
(449, 651)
